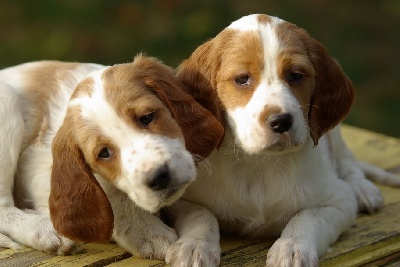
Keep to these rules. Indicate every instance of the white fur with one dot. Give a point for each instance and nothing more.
(249, 23)
(26, 160)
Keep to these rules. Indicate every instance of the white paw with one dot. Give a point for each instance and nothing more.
(194, 252)
(6, 242)
(369, 197)
(149, 242)
(289, 253)
(45, 238)
(155, 246)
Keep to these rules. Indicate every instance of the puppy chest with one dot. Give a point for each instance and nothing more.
(255, 219)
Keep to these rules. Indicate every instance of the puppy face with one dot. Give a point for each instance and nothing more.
(134, 125)
(131, 139)
(267, 94)
(276, 85)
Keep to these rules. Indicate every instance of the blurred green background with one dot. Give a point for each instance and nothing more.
(363, 35)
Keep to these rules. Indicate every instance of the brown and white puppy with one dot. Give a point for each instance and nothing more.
(98, 150)
(282, 169)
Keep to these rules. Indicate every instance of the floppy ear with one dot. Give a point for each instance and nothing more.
(201, 130)
(79, 208)
(199, 74)
(333, 96)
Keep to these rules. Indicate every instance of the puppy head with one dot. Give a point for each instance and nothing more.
(127, 123)
(275, 84)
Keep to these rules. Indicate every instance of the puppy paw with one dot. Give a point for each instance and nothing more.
(149, 241)
(68, 247)
(45, 238)
(193, 252)
(289, 253)
(155, 245)
(6, 242)
(369, 197)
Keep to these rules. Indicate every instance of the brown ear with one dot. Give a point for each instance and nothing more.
(201, 129)
(79, 208)
(199, 74)
(333, 96)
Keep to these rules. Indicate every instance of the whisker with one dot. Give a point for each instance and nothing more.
(197, 158)
(203, 162)
(208, 167)
(233, 151)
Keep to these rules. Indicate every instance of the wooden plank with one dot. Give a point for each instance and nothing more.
(132, 261)
(21, 258)
(93, 255)
(392, 260)
(7, 253)
(374, 240)
(370, 238)
(371, 147)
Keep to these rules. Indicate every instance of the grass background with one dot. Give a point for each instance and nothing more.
(363, 35)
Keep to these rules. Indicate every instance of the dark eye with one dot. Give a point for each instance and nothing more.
(295, 77)
(146, 119)
(105, 153)
(242, 79)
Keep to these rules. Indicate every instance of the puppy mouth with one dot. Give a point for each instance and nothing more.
(275, 144)
(283, 146)
(169, 195)
(173, 193)
(165, 185)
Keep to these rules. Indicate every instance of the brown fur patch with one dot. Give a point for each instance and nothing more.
(42, 84)
(268, 111)
(293, 57)
(84, 88)
(134, 100)
(242, 54)
(263, 19)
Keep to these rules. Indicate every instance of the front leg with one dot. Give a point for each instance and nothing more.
(198, 231)
(369, 197)
(309, 233)
(33, 230)
(140, 232)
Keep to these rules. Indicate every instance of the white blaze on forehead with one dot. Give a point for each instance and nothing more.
(270, 42)
(246, 23)
(99, 111)
(252, 22)
(269, 80)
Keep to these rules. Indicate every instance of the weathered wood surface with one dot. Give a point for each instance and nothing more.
(372, 241)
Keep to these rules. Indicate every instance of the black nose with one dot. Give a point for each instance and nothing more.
(160, 180)
(280, 123)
